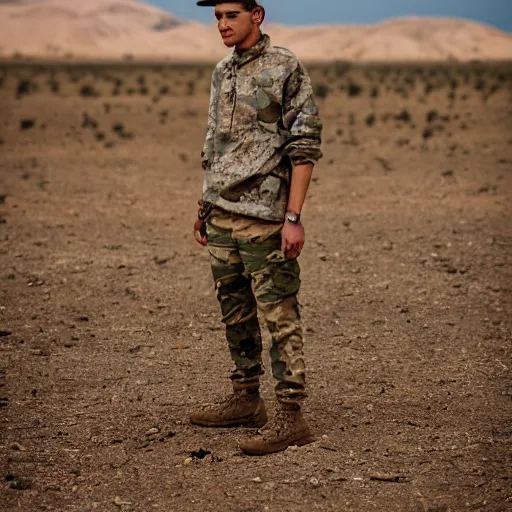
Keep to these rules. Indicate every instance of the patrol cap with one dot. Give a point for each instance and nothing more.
(249, 5)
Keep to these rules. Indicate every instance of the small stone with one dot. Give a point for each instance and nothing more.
(152, 431)
(257, 480)
(187, 461)
(18, 447)
(314, 482)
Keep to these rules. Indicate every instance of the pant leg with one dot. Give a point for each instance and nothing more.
(276, 283)
(238, 306)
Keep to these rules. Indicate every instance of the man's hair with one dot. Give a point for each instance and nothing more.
(248, 5)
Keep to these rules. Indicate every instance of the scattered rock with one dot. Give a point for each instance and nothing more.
(314, 482)
(387, 478)
(200, 454)
(17, 447)
(19, 483)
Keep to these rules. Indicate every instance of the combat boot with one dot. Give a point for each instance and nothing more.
(288, 428)
(243, 408)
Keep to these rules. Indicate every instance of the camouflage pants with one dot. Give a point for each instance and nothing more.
(251, 274)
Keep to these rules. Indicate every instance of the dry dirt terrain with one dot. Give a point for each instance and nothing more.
(109, 326)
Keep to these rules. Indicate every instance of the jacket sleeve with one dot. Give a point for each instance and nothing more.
(207, 153)
(301, 119)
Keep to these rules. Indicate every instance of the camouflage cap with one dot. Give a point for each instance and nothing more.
(249, 5)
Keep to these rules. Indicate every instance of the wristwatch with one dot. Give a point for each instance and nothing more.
(292, 217)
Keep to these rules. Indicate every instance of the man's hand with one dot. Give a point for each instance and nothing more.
(199, 232)
(293, 238)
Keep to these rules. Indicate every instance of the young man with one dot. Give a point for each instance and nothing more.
(262, 142)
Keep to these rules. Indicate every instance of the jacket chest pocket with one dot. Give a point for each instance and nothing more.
(268, 108)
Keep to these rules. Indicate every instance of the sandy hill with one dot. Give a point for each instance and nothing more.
(93, 28)
(114, 28)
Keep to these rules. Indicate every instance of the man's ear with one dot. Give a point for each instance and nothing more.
(258, 15)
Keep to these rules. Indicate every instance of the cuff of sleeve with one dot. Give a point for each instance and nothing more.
(305, 150)
(302, 160)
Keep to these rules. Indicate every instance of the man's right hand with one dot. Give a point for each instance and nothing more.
(200, 232)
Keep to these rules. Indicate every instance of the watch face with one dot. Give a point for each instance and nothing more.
(292, 217)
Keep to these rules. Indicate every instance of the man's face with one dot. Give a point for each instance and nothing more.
(234, 22)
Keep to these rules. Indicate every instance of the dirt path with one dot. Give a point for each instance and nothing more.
(110, 333)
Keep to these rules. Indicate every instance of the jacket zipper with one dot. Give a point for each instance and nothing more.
(233, 97)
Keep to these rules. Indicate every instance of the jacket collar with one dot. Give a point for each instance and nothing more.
(252, 53)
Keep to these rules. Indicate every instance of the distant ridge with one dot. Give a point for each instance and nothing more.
(116, 28)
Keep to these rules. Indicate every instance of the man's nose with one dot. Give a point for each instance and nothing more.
(223, 25)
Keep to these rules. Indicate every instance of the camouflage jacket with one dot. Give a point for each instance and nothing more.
(262, 117)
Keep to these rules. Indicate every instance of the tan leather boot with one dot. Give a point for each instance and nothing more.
(243, 408)
(288, 428)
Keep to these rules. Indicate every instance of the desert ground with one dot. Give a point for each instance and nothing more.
(110, 331)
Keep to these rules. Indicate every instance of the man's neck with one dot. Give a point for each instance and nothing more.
(250, 42)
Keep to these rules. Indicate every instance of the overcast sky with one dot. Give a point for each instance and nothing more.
(294, 12)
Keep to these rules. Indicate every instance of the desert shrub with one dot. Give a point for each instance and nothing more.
(432, 115)
(88, 121)
(374, 93)
(191, 88)
(164, 90)
(190, 112)
(54, 85)
(479, 84)
(321, 90)
(27, 124)
(144, 91)
(494, 88)
(410, 80)
(88, 91)
(404, 116)
(401, 92)
(354, 90)
(428, 133)
(25, 87)
(341, 68)
(370, 120)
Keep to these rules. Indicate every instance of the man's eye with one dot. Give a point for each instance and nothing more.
(232, 16)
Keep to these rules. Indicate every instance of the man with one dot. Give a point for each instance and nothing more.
(262, 142)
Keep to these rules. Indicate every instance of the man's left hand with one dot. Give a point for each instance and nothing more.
(293, 238)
